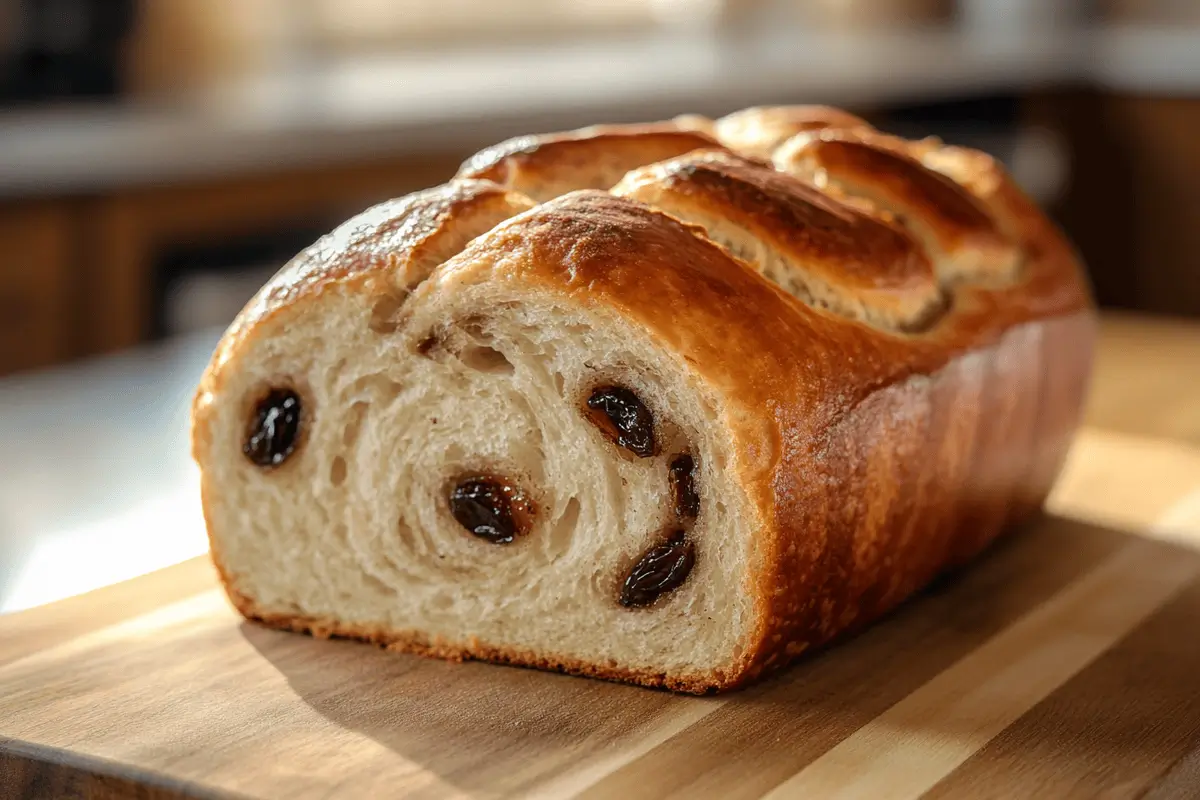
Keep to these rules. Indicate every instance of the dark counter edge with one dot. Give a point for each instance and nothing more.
(35, 771)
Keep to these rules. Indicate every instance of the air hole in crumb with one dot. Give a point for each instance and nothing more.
(473, 326)
(337, 471)
(485, 359)
(426, 346)
(406, 534)
(358, 412)
(367, 579)
(389, 388)
(385, 312)
(440, 602)
(559, 382)
(380, 386)
(564, 527)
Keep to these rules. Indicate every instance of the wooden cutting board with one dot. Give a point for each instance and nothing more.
(1064, 663)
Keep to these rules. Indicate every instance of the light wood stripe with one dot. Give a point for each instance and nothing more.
(795, 718)
(1122, 721)
(920, 740)
(1181, 523)
(57, 623)
(682, 716)
(1122, 481)
(181, 612)
(1111, 731)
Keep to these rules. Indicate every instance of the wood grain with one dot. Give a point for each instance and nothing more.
(125, 232)
(1060, 664)
(911, 747)
(35, 319)
(36, 771)
(810, 709)
(1146, 380)
(1104, 731)
(57, 623)
(1086, 490)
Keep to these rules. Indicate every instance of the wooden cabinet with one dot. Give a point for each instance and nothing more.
(1132, 206)
(78, 275)
(125, 233)
(35, 295)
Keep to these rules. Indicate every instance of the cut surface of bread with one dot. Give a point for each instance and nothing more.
(631, 402)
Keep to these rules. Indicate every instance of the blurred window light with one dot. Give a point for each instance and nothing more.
(154, 534)
(357, 24)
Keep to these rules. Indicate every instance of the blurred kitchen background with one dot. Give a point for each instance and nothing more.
(160, 159)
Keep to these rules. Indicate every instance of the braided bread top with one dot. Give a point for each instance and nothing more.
(914, 239)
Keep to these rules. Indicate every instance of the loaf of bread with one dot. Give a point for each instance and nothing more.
(668, 404)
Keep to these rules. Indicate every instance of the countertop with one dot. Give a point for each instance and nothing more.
(96, 481)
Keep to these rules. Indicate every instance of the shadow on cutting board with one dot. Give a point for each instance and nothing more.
(1125, 714)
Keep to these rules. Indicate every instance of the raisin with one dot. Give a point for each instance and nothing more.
(619, 413)
(660, 569)
(683, 485)
(491, 508)
(274, 429)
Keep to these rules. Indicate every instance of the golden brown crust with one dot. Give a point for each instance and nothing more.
(401, 239)
(980, 174)
(836, 255)
(874, 458)
(758, 131)
(948, 217)
(392, 247)
(545, 167)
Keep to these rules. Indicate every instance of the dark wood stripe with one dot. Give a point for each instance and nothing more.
(33, 772)
(774, 730)
(1113, 729)
(497, 731)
